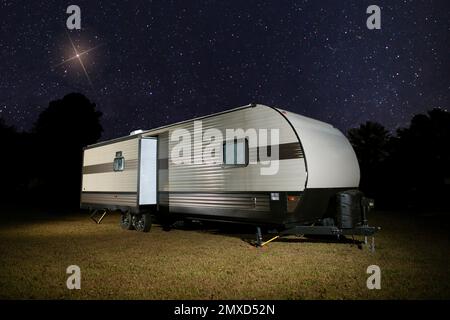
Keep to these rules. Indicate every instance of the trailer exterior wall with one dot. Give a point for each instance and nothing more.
(219, 191)
(101, 184)
(207, 177)
(316, 161)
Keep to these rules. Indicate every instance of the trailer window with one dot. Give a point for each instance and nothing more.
(235, 153)
(119, 162)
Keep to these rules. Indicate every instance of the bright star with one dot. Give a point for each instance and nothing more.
(78, 55)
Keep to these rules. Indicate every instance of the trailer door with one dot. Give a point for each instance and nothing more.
(148, 171)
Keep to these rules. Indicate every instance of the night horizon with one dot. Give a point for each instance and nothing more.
(149, 65)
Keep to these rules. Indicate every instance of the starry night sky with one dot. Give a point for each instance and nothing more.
(158, 62)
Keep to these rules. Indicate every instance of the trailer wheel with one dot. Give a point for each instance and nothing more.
(126, 221)
(143, 222)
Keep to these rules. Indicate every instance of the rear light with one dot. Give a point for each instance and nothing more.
(292, 202)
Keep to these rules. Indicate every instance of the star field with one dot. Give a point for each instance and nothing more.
(157, 62)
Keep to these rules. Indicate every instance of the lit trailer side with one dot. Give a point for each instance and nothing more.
(314, 190)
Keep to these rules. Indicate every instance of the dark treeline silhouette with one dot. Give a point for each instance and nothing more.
(410, 169)
(42, 167)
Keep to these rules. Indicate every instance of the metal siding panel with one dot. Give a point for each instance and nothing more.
(163, 180)
(106, 153)
(163, 155)
(121, 181)
(242, 201)
(124, 181)
(214, 177)
(109, 199)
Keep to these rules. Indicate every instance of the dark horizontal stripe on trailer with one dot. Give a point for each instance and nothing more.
(286, 151)
(109, 167)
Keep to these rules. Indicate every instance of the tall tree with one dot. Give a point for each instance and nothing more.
(8, 138)
(421, 159)
(370, 142)
(62, 130)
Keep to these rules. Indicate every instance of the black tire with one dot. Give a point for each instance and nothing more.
(142, 222)
(126, 221)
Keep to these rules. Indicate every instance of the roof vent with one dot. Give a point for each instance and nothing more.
(132, 133)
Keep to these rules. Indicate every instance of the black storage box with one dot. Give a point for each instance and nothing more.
(348, 208)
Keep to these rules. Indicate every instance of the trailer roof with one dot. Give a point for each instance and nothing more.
(100, 143)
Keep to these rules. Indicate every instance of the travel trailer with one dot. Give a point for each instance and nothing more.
(254, 164)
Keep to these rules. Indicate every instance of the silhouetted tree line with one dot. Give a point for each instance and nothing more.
(410, 169)
(43, 167)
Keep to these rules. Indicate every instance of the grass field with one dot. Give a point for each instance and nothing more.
(412, 252)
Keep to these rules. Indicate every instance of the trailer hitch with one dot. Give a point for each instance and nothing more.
(364, 230)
